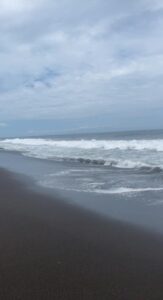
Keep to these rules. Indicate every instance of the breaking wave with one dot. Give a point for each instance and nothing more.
(122, 154)
(139, 145)
(120, 164)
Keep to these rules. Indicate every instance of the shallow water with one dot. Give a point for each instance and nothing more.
(143, 207)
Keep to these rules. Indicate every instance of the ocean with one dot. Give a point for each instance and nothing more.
(118, 174)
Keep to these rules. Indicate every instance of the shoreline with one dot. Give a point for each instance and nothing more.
(50, 249)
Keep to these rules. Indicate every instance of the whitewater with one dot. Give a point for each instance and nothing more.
(140, 154)
(153, 144)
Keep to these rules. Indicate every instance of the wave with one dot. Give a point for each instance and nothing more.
(92, 152)
(139, 145)
(128, 164)
(90, 161)
(120, 164)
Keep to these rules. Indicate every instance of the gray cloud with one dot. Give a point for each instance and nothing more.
(69, 59)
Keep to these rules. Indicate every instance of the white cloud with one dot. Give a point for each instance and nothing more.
(14, 6)
(73, 58)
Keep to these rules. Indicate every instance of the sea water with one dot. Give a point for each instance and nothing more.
(128, 162)
(112, 167)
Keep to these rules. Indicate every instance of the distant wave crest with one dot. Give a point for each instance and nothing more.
(139, 145)
(153, 144)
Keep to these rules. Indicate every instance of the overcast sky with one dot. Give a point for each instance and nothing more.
(69, 65)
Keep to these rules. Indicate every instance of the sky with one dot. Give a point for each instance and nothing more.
(73, 66)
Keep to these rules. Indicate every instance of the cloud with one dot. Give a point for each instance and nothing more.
(3, 125)
(70, 59)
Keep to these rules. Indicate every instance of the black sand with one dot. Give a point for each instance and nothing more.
(51, 250)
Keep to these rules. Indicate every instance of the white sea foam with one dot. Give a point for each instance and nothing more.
(124, 190)
(153, 144)
(127, 164)
(94, 189)
(113, 153)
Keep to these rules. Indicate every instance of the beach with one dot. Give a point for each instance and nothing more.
(50, 249)
(81, 150)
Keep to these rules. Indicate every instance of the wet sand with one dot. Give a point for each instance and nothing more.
(52, 250)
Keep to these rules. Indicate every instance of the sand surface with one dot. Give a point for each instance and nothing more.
(53, 250)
